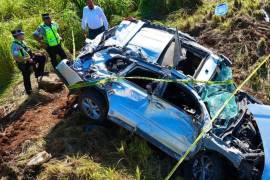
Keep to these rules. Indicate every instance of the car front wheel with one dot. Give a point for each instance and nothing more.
(93, 105)
(204, 167)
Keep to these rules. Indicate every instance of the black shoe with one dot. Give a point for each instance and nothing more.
(29, 92)
(46, 74)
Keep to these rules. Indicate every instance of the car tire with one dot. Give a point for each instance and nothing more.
(204, 166)
(93, 105)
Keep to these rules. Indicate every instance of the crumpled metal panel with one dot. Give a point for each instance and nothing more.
(261, 114)
(124, 33)
(152, 116)
(152, 42)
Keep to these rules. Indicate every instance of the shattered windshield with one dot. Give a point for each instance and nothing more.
(215, 95)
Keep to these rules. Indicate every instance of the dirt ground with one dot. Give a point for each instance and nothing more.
(32, 119)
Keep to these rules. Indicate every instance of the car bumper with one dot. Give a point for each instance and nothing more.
(70, 76)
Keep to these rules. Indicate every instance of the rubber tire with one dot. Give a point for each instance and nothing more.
(218, 168)
(99, 100)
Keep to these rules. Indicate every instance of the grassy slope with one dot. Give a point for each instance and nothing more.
(113, 154)
(242, 35)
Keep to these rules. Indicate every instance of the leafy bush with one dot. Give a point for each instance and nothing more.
(158, 8)
(173, 5)
(152, 8)
(10, 9)
(6, 65)
(70, 21)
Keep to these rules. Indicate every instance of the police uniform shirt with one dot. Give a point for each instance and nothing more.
(18, 51)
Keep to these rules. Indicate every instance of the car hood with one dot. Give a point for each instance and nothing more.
(261, 114)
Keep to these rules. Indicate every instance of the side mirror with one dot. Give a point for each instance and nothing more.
(149, 89)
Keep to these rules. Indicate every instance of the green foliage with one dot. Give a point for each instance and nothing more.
(6, 66)
(10, 9)
(152, 8)
(69, 20)
(116, 7)
(174, 5)
(79, 167)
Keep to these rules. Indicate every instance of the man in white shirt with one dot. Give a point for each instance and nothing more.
(94, 20)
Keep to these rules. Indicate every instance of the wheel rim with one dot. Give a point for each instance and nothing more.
(203, 168)
(91, 109)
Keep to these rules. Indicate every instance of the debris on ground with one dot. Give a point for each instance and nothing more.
(39, 159)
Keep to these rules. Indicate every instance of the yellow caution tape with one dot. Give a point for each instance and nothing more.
(204, 131)
(184, 81)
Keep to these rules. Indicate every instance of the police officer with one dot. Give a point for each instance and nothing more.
(26, 59)
(49, 38)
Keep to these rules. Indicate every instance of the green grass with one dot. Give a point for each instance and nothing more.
(103, 153)
(80, 167)
(204, 13)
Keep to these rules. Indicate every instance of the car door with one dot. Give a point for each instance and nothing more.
(162, 124)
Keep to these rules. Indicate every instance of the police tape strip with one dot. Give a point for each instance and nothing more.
(113, 79)
(204, 131)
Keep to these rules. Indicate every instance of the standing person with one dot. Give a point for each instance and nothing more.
(94, 20)
(49, 38)
(26, 59)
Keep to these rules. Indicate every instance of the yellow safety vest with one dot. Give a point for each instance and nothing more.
(51, 37)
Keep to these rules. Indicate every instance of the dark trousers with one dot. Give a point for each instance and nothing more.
(39, 65)
(25, 68)
(53, 51)
(26, 72)
(93, 33)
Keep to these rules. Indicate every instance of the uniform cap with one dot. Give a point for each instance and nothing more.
(46, 16)
(17, 32)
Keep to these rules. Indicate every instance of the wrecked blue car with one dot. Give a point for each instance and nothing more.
(170, 115)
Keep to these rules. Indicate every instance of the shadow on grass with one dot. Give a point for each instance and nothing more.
(111, 146)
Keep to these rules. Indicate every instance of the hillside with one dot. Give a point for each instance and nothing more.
(80, 149)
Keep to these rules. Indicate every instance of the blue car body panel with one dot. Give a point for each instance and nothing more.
(261, 114)
(151, 115)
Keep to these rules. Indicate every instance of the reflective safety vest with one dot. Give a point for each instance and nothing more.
(24, 50)
(51, 37)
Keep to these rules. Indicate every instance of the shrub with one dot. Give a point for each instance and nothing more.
(173, 5)
(152, 8)
(6, 63)
(70, 21)
(10, 9)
